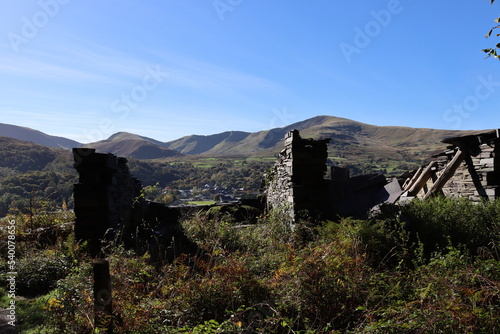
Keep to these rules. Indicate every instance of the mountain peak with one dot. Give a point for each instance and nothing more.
(124, 136)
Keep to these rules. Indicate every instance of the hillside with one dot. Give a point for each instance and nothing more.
(352, 142)
(230, 159)
(37, 137)
(133, 146)
(222, 143)
(18, 156)
(119, 136)
(33, 176)
(349, 139)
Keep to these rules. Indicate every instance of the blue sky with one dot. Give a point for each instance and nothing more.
(170, 68)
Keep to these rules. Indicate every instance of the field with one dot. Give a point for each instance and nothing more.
(201, 202)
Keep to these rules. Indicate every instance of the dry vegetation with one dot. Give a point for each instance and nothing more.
(430, 267)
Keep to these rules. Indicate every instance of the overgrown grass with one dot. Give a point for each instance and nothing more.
(430, 267)
(201, 202)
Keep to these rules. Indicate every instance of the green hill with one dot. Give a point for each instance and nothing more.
(137, 148)
(34, 177)
(17, 156)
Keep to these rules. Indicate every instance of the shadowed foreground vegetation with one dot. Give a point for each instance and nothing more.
(429, 267)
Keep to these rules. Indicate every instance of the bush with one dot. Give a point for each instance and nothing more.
(439, 222)
(39, 273)
(447, 295)
(213, 235)
(70, 306)
(32, 315)
(212, 292)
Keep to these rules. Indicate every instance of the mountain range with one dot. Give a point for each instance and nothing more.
(349, 139)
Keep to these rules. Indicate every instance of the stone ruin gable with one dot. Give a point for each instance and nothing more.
(104, 196)
(469, 168)
(296, 182)
(109, 206)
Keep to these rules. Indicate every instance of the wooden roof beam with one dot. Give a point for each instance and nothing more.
(447, 174)
(422, 179)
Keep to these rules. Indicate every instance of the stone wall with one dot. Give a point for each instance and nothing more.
(296, 182)
(109, 206)
(104, 196)
(477, 176)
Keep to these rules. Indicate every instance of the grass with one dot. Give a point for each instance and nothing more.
(209, 162)
(201, 202)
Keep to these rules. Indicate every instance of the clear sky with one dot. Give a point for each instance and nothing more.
(170, 68)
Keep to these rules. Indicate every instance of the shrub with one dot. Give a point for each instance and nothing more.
(33, 314)
(321, 285)
(214, 288)
(439, 221)
(447, 295)
(70, 305)
(213, 235)
(38, 273)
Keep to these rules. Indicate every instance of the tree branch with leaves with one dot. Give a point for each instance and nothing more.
(492, 52)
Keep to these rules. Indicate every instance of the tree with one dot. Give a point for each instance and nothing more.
(492, 52)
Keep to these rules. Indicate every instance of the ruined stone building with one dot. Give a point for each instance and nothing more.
(108, 203)
(300, 180)
(468, 168)
(296, 182)
(109, 207)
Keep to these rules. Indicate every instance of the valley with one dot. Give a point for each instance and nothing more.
(32, 171)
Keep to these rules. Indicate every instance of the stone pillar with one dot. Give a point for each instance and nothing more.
(297, 181)
(104, 197)
(309, 166)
